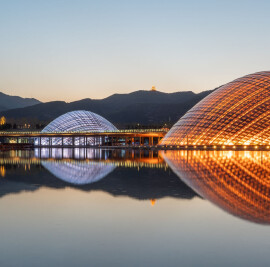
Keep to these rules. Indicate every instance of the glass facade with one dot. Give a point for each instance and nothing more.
(79, 121)
(76, 121)
(237, 113)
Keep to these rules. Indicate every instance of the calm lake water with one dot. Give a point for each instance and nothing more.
(86, 207)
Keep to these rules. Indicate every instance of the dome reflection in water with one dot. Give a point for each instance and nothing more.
(82, 166)
(79, 173)
(236, 181)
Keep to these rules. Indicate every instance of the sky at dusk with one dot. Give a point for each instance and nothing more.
(69, 50)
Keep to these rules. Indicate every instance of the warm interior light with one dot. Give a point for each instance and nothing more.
(234, 115)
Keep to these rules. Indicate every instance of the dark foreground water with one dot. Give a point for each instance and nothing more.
(130, 208)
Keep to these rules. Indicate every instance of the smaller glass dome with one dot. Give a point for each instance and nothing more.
(79, 121)
(76, 121)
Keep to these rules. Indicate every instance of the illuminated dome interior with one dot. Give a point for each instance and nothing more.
(237, 113)
(77, 121)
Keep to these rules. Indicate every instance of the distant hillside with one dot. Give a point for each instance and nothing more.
(143, 107)
(11, 102)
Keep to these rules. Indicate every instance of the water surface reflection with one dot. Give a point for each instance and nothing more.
(79, 172)
(236, 181)
(93, 207)
(138, 174)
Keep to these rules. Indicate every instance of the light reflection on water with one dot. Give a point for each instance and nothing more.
(236, 181)
(79, 172)
(113, 206)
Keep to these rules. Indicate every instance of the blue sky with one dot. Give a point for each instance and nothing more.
(69, 50)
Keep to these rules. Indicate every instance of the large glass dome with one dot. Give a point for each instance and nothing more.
(79, 120)
(237, 113)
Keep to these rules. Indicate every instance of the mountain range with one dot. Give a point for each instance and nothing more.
(139, 107)
(12, 102)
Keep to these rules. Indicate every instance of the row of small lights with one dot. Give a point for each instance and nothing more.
(118, 164)
(94, 146)
(119, 131)
(214, 147)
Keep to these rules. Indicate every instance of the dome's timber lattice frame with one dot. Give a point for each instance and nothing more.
(236, 114)
(74, 122)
